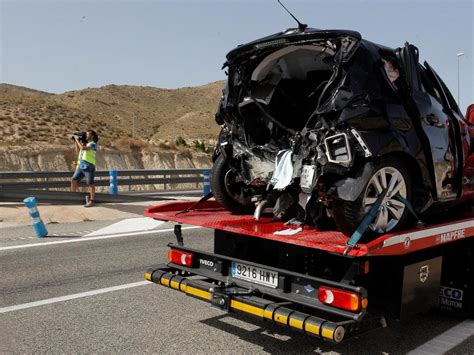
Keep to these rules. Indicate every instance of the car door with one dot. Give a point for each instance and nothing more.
(424, 103)
(458, 132)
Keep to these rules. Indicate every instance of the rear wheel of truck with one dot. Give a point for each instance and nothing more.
(229, 189)
(392, 215)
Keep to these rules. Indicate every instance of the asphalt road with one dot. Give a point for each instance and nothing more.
(145, 317)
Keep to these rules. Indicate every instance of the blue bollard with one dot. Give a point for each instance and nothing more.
(113, 182)
(207, 184)
(38, 225)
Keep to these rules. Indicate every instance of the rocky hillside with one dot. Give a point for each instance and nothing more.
(62, 158)
(34, 118)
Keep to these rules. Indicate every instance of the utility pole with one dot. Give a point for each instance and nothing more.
(133, 127)
(459, 55)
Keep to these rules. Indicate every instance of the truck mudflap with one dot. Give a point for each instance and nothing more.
(284, 305)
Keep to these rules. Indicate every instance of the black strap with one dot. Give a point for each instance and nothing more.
(364, 225)
(204, 198)
(407, 204)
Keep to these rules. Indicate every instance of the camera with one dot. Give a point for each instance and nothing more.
(81, 136)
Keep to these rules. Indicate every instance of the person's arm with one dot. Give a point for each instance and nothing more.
(78, 144)
(76, 148)
(91, 146)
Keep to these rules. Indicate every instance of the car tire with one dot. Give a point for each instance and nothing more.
(392, 216)
(227, 190)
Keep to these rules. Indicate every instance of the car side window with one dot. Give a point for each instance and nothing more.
(428, 86)
(452, 103)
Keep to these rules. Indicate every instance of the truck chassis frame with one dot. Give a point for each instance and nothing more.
(399, 274)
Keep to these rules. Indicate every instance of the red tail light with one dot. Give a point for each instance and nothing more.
(347, 300)
(180, 257)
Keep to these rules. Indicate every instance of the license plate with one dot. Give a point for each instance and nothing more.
(255, 274)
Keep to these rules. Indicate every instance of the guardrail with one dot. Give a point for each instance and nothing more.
(61, 179)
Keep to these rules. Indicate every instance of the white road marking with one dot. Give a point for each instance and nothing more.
(84, 239)
(127, 226)
(72, 297)
(447, 340)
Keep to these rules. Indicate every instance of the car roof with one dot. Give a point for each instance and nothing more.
(294, 34)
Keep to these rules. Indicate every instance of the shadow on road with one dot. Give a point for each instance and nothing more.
(397, 338)
(139, 210)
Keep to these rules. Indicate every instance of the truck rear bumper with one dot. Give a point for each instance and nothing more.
(238, 299)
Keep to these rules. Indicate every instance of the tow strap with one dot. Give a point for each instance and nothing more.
(194, 205)
(407, 204)
(369, 217)
(364, 225)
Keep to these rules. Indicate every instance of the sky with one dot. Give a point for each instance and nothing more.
(58, 46)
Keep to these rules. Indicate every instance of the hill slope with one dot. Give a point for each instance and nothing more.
(28, 115)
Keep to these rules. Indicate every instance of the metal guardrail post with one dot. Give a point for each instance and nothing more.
(38, 225)
(113, 181)
(207, 184)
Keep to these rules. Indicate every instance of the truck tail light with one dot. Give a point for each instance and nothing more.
(180, 257)
(347, 300)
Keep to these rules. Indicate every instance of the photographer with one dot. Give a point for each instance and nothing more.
(86, 145)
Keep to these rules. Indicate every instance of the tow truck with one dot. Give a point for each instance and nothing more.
(317, 282)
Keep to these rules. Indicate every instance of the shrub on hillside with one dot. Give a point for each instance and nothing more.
(129, 143)
(199, 146)
(180, 141)
(166, 145)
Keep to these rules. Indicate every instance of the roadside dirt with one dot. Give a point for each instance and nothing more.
(16, 214)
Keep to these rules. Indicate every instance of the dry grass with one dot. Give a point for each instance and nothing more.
(159, 114)
(126, 143)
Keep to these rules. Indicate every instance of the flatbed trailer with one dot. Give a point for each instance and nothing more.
(312, 281)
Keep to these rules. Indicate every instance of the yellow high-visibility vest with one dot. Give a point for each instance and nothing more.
(88, 155)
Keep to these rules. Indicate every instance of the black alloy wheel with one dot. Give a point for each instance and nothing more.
(228, 188)
(391, 174)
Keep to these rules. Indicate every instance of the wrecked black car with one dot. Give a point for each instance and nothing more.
(321, 125)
